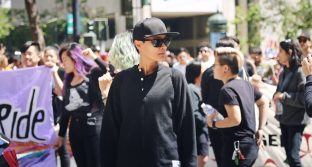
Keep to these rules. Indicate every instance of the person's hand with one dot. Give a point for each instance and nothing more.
(307, 65)
(88, 53)
(105, 82)
(210, 118)
(259, 138)
(278, 96)
(59, 142)
(51, 65)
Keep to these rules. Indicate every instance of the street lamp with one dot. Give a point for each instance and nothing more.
(217, 24)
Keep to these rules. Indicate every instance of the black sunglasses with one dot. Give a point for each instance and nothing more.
(158, 42)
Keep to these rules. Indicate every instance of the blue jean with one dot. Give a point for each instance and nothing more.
(291, 140)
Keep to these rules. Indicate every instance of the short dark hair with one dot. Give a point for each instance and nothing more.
(29, 44)
(235, 39)
(227, 42)
(182, 49)
(192, 71)
(204, 44)
(255, 50)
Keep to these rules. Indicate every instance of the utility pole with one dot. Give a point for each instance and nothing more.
(76, 17)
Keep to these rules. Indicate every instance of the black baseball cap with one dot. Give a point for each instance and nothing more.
(151, 27)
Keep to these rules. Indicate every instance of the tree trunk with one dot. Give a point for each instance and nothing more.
(33, 17)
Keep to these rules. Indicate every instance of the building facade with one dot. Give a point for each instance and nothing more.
(189, 17)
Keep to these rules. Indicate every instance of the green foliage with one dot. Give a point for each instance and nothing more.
(254, 19)
(5, 23)
(287, 18)
(54, 31)
(292, 16)
(17, 37)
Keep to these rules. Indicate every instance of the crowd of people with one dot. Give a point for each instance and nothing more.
(143, 105)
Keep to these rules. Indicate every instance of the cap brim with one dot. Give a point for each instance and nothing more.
(167, 34)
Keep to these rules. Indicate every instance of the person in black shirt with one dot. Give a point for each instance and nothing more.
(82, 103)
(236, 105)
(148, 119)
(210, 88)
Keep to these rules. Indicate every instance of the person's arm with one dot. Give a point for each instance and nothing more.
(233, 119)
(308, 95)
(64, 119)
(183, 121)
(105, 82)
(89, 54)
(199, 115)
(263, 106)
(64, 123)
(57, 82)
(111, 124)
(307, 70)
(296, 98)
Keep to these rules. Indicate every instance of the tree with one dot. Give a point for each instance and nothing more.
(34, 24)
(255, 22)
(291, 17)
(5, 24)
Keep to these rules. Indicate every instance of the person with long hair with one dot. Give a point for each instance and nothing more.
(82, 103)
(236, 105)
(289, 101)
(122, 55)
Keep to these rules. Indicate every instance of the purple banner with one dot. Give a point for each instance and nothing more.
(26, 115)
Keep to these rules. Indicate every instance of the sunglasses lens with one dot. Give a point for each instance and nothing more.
(158, 42)
(167, 42)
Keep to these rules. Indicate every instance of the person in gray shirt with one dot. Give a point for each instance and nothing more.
(289, 97)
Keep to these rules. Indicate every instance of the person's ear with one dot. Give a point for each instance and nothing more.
(138, 44)
(226, 68)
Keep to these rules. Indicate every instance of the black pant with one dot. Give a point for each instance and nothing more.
(291, 140)
(216, 143)
(84, 137)
(248, 148)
